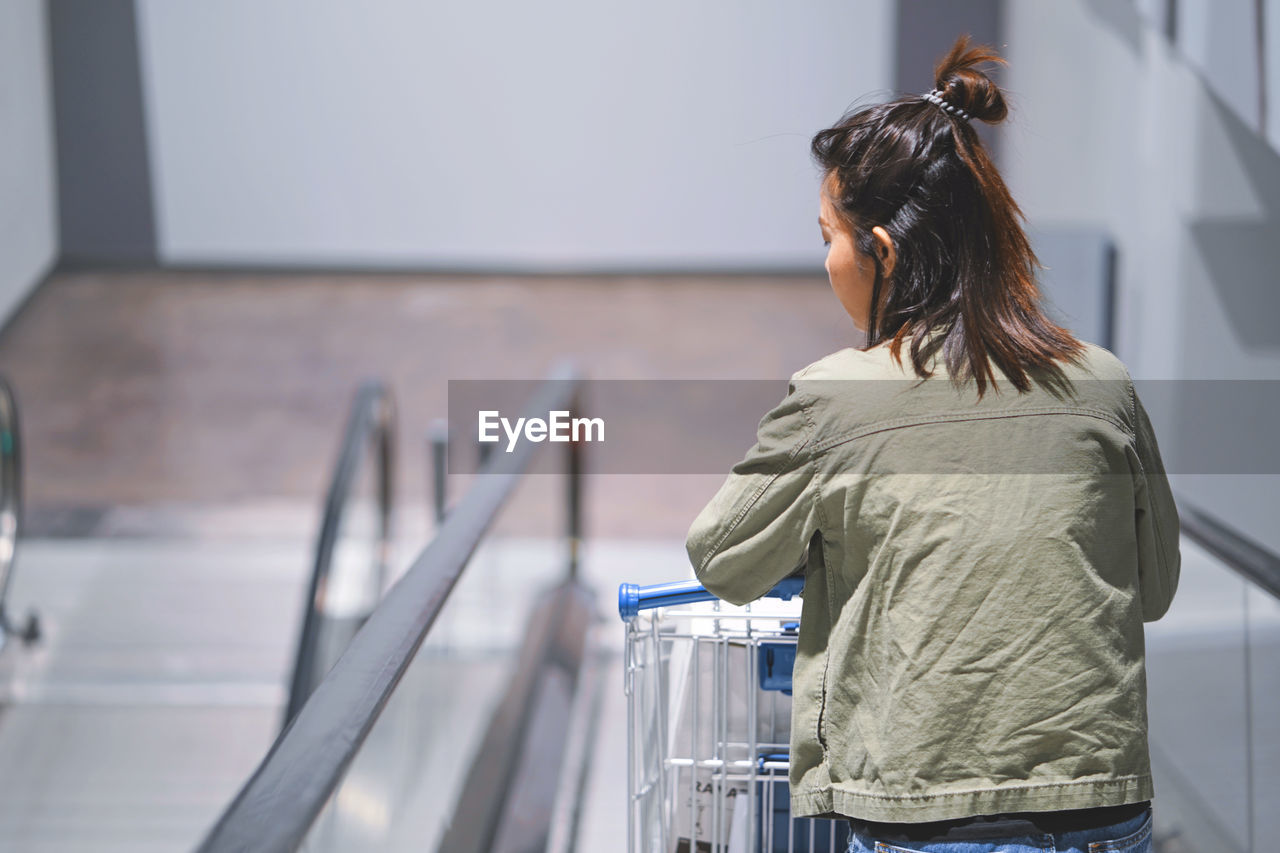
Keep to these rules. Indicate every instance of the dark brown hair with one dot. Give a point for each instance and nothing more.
(964, 263)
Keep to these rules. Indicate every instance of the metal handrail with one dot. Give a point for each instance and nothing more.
(1238, 552)
(372, 421)
(11, 514)
(278, 805)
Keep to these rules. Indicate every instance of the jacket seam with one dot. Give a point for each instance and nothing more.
(1133, 410)
(826, 654)
(822, 700)
(761, 489)
(823, 524)
(1116, 780)
(949, 417)
(1161, 554)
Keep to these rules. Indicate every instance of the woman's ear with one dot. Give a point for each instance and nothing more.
(884, 248)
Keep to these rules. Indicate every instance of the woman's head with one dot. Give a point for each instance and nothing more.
(924, 234)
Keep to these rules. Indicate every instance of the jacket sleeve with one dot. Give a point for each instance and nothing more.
(1156, 519)
(756, 530)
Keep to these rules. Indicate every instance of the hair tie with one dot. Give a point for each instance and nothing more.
(936, 97)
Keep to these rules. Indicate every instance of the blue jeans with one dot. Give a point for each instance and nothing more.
(1130, 836)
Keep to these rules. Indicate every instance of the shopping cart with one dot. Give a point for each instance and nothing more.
(708, 723)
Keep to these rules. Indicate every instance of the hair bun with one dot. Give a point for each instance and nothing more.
(968, 87)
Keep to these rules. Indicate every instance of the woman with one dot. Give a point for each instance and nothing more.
(983, 526)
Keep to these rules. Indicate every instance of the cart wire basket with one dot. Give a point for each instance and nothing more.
(708, 690)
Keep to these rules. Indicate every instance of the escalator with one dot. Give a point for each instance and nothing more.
(455, 701)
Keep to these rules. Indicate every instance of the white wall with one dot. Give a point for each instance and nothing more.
(1221, 41)
(1271, 67)
(1115, 128)
(568, 133)
(28, 211)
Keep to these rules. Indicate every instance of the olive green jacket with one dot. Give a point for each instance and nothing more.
(977, 578)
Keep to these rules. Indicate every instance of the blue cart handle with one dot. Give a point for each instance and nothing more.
(632, 598)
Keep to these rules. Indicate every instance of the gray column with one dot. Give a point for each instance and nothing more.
(926, 28)
(105, 205)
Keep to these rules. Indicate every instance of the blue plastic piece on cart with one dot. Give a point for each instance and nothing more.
(774, 809)
(632, 598)
(784, 834)
(766, 757)
(786, 588)
(628, 601)
(776, 662)
(790, 627)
